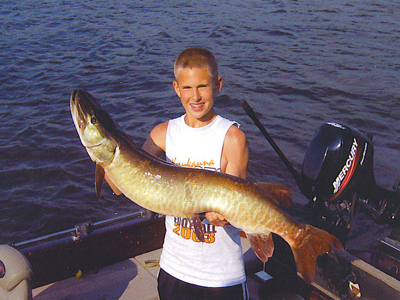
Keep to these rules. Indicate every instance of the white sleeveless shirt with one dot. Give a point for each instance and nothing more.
(218, 261)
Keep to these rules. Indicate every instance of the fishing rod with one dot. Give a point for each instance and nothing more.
(250, 112)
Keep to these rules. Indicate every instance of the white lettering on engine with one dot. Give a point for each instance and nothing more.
(339, 179)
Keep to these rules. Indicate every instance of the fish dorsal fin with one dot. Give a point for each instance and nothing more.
(99, 179)
(262, 245)
(279, 193)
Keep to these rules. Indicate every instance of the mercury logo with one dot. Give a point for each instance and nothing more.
(349, 164)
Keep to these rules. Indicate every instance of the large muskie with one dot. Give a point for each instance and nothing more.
(184, 192)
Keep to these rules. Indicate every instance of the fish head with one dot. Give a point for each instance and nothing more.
(95, 127)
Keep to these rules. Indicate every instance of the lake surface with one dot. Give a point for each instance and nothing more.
(298, 64)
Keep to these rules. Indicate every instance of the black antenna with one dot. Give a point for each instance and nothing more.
(253, 116)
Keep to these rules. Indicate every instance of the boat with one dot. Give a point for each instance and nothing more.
(118, 259)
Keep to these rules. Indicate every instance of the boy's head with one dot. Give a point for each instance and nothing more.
(196, 58)
(196, 84)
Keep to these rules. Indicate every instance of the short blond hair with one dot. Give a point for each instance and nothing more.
(196, 58)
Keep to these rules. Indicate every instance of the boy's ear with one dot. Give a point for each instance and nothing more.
(176, 88)
(218, 84)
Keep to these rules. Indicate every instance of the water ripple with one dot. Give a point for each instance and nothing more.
(299, 64)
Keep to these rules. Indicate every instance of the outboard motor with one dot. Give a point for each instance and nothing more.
(15, 275)
(337, 174)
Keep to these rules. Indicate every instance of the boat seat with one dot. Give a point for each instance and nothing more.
(15, 275)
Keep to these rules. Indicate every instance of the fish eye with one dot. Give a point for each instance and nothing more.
(93, 120)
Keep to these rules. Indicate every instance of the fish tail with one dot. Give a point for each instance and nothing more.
(311, 244)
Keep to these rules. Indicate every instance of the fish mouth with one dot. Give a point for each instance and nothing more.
(82, 106)
(78, 115)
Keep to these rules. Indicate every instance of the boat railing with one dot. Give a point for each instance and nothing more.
(80, 229)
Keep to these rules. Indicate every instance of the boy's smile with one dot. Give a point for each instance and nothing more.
(197, 91)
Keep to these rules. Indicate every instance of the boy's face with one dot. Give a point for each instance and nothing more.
(197, 91)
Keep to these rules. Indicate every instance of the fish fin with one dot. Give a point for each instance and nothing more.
(262, 245)
(312, 243)
(197, 227)
(99, 179)
(281, 194)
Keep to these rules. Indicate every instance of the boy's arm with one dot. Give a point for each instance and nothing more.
(235, 153)
(155, 143)
(234, 160)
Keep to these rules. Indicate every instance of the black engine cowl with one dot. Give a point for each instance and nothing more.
(338, 162)
(337, 176)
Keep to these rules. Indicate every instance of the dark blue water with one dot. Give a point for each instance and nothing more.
(297, 64)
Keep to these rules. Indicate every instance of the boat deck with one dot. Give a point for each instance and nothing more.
(129, 279)
(135, 278)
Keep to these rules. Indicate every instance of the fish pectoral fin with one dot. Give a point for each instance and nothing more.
(280, 194)
(99, 179)
(197, 227)
(262, 245)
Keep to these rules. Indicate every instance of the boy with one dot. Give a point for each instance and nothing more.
(190, 269)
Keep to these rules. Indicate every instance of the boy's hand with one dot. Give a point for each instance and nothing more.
(216, 219)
